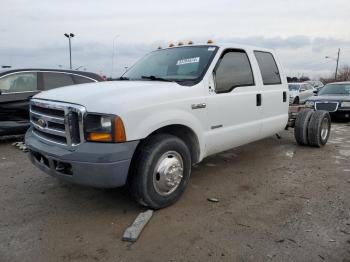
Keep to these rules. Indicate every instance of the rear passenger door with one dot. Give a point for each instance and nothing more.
(274, 90)
(79, 79)
(51, 80)
(234, 109)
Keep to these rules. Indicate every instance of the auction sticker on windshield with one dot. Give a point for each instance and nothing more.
(188, 61)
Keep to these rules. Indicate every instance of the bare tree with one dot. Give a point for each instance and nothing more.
(342, 75)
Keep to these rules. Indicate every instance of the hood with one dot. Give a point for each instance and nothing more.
(113, 96)
(330, 98)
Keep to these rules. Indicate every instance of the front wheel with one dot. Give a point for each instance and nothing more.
(161, 170)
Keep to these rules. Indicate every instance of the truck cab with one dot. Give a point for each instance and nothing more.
(173, 108)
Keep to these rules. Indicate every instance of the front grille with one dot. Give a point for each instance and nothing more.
(330, 107)
(59, 123)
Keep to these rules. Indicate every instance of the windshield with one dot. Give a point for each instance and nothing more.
(293, 87)
(175, 64)
(335, 89)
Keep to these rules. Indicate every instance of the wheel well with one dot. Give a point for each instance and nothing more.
(186, 134)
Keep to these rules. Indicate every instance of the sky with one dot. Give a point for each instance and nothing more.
(302, 33)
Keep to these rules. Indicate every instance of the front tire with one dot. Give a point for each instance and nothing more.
(161, 170)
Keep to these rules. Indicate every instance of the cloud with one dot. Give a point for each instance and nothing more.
(299, 54)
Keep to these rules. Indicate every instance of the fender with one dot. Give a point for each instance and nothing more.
(151, 122)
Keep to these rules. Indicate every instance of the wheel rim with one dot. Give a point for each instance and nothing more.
(168, 173)
(324, 128)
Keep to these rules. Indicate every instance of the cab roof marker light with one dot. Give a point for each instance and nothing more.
(171, 45)
(159, 47)
(180, 43)
(190, 42)
(210, 41)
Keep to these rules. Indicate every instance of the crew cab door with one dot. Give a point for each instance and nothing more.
(274, 92)
(16, 90)
(234, 103)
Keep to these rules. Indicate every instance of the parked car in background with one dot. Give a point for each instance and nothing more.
(334, 98)
(316, 84)
(17, 86)
(300, 92)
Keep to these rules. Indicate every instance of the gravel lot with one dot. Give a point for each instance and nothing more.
(277, 202)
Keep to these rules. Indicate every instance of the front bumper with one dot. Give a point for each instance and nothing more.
(341, 113)
(102, 165)
(13, 127)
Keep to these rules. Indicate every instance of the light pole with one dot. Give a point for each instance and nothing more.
(112, 72)
(336, 67)
(69, 36)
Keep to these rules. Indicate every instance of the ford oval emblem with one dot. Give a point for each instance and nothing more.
(42, 123)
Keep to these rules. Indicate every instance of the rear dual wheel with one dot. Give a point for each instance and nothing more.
(319, 128)
(312, 128)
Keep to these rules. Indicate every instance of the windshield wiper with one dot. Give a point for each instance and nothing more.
(124, 78)
(155, 78)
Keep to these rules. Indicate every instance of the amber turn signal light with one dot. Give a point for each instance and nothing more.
(100, 137)
(119, 130)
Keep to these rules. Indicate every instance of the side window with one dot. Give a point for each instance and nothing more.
(232, 71)
(54, 80)
(19, 82)
(82, 79)
(268, 68)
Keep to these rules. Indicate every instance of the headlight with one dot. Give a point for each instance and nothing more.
(309, 103)
(104, 128)
(345, 104)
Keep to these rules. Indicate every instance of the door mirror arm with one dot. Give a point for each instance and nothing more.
(212, 82)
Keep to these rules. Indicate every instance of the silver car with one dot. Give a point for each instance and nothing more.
(300, 92)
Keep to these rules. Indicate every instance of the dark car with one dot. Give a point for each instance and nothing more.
(17, 86)
(334, 98)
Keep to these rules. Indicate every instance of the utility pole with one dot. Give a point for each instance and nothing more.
(336, 68)
(113, 51)
(69, 36)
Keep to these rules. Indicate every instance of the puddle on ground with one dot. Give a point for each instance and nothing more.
(339, 157)
(344, 152)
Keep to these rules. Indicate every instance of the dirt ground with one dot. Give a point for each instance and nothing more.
(277, 202)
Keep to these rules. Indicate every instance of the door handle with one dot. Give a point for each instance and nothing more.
(284, 96)
(199, 106)
(258, 99)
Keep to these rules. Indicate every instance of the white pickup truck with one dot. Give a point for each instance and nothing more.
(173, 108)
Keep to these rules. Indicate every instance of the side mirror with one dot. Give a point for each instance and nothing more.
(315, 92)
